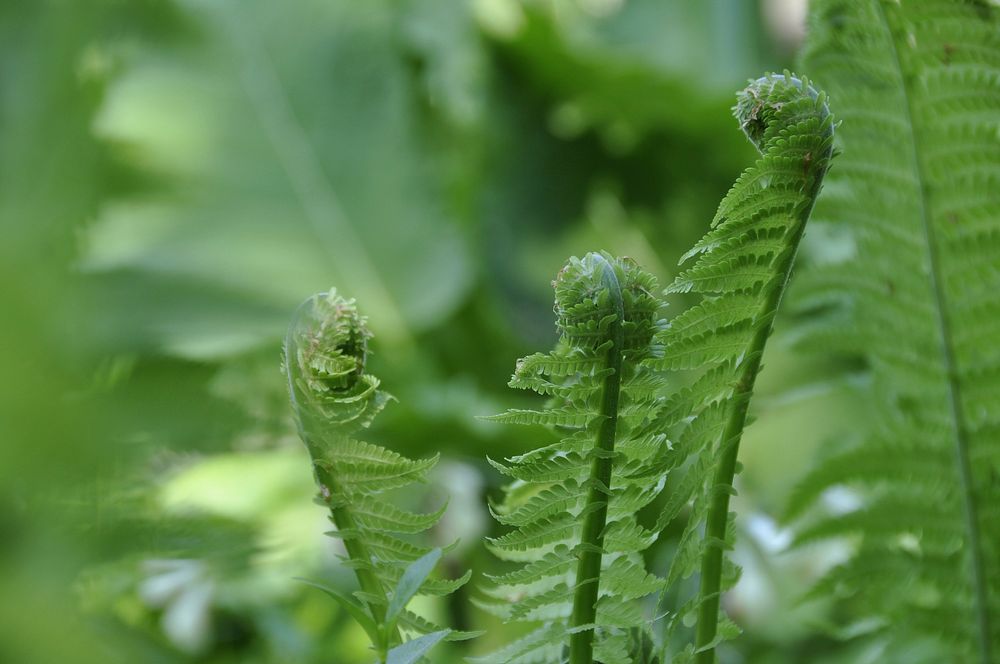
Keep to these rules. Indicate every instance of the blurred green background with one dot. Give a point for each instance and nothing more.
(175, 176)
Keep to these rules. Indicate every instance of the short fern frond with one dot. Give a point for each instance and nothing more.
(573, 505)
(333, 399)
(918, 196)
(741, 268)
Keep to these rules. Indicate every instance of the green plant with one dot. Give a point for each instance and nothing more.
(573, 503)
(638, 405)
(917, 195)
(742, 267)
(333, 398)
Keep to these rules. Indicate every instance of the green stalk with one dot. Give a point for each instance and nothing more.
(358, 552)
(722, 482)
(718, 511)
(588, 571)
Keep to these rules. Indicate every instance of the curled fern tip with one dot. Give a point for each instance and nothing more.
(326, 350)
(585, 290)
(773, 102)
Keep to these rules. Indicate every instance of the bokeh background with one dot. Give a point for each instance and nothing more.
(175, 176)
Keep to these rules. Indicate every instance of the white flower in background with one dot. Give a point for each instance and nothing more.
(841, 500)
(465, 519)
(184, 590)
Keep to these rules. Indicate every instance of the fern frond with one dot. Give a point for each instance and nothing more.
(918, 193)
(741, 267)
(573, 505)
(333, 399)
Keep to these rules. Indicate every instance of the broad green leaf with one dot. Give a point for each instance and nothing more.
(289, 159)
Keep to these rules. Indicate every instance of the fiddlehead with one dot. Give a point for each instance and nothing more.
(325, 354)
(333, 398)
(742, 267)
(573, 504)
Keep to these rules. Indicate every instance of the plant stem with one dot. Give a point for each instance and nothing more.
(588, 571)
(356, 550)
(729, 445)
(718, 511)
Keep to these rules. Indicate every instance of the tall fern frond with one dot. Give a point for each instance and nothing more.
(333, 399)
(742, 267)
(918, 194)
(573, 505)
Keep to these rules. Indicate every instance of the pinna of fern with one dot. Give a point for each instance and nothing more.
(741, 269)
(572, 504)
(917, 197)
(334, 399)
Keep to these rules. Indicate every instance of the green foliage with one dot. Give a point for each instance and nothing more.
(573, 504)
(334, 398)
(176, 174)
(742, 267)
(251, 123)
(917, 196)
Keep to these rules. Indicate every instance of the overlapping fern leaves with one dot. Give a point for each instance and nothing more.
(334, 398)
(742, 268)
(573, 504)
(918, 194)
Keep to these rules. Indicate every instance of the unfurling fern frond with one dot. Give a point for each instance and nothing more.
(742, 266)
(573, 505)
(918, 195)
(333, 398)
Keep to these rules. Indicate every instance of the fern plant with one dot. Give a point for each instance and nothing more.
(918, 196)
(742, 267)
(573, 504)
(333, 399)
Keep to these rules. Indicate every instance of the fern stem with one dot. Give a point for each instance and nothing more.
(358, 553)
(813, 169)
(722, 482)
(959, 432)
(356, 550)
(581, 644)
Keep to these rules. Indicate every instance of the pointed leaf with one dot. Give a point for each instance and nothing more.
(411, 651)
(410, 583)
